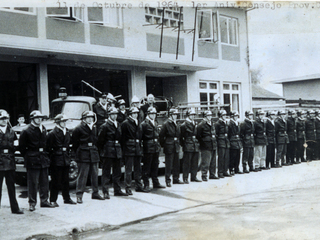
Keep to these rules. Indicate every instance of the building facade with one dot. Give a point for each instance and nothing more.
(118, 50)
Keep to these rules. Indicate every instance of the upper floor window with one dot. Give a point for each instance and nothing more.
(67, 13)
(170, 18)
(105, 16)
(26, 10)
(229, 30)
(207, 25)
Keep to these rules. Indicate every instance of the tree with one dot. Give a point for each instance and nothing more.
(256, 76)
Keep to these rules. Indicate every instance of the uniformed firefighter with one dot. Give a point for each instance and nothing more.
(206, 134)
(131, 145)
(260, 141)
(281, 138)
(32, 145)
(122, 114)
(246, 134)
(84, 140)
(271, 147)
(190, 148)
(109, 146)
(144, 108)
(7, 161)
(292, 134)
(58, 142)
(317, 126)
(170, 141)
(310, 135)
(223, 144)
(101, 111)
(151, 149)
(235, 143)
(301, 136)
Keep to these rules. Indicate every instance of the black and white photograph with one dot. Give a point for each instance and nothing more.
(169, 120)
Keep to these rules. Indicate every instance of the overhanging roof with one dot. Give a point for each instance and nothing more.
(298, 79)
(263, 94)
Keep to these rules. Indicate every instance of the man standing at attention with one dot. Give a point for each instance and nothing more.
(101, 110)
(260, 140)
(246, 134)
(281, 138)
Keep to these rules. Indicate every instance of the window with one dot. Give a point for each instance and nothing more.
(229, 30)
(105, 16)
(208, 94)
(231, 96)
(207, 25)
(66, 13)
(25, 10)
(171, 16)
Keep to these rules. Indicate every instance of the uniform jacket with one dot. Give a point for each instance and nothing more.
(84, 142)
(170, 137)
(270, 130)
(234, 135)
(310, 129)
(32, 145)
(109, 140)
(102, 114)
(131, 138)
(281, 131)
(206, 134)
(301, 127)
(292, 129)
(246, 133)
(7, 161)
(222, 134)
(150, 136)
(260, 135)
(58, 147)
(317, 125)
(121, 117)
(188, 137)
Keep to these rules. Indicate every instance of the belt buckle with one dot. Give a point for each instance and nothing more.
(64, 149)
(137, 140)
(193, 136)
(40, 149)
(116, 141)
(156, 140)
(213, 136)
(90, 144)
(226, 134)
(5, 151)
(175, 139)
(251, 135)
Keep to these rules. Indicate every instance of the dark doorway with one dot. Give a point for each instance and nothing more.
(154, 86)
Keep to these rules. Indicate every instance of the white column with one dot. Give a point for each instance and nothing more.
(138, 83)
(43, 89)
(41, 19)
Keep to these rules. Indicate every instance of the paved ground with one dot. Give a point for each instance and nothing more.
(275, 204)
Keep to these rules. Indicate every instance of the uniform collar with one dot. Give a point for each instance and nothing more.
(3, 129)
(235, 122)
(64, 130)
(134, 120)
(40, 127)
(152, 121)
(103, 106)
(115, 123)
(189, 120)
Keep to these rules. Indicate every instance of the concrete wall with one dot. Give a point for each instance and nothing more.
(308, 90)
(106, 36)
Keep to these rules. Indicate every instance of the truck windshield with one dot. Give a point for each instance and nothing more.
(72, 110)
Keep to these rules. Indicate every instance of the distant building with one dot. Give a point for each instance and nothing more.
(264, 99)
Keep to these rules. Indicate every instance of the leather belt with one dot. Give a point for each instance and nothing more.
(116, 141)
(90, 144)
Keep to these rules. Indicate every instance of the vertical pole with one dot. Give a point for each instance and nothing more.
(178, 40)
(194, 32)
(161, 33)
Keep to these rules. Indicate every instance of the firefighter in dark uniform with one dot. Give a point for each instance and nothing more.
(122, 114)
(206, 134)
(270, 130)
(223, 144)
(317, 125)
(301, 136)
(151, 149)
(190, 148)
(235, 143)
(84, 139)
(7, 161)
(311, 135)
(58, 141)
(131, 145)
(246, 134)
(282, 138)
(101, 110)
(169, 139)
(292, 134)
(260, 141)
(109, 146)
(32, 145)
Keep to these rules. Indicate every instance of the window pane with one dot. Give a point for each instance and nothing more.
(57, 11)
(226, 86)
(232, 31)
(203, 99)
(203, 85)
(226, 100)
(211, 95)
(235, 87)
(204, 24)
(235, 102)
(224, 30)
(95, 14)
(213, 86)
(25, 9)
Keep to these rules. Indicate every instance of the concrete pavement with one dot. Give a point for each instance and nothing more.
(119, 211)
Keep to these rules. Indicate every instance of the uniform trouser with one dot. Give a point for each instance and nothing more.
(208, 162)
(136, 162)
(107, 164)
(270, 155)
(291, 151)
(190, 164)
(84, 169)
(9, 175)
(35, 177)
(59, 181)
(311, 149)
(300, 150)
(234, 160)
(281, 152)
(318, 149)
(172, 165)
(260, 156)
(223, 160)
(247, 158)
(150, 168)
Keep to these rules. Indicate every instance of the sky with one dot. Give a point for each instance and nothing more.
(285, 42)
